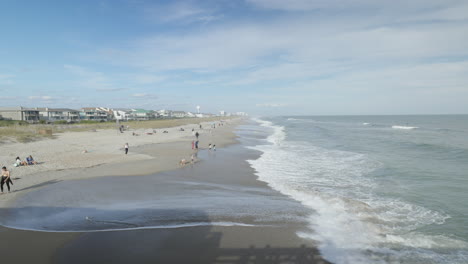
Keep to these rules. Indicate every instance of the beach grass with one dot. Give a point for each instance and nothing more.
(19, 131)
(23, 133)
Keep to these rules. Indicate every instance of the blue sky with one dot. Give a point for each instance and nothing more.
(315, 57)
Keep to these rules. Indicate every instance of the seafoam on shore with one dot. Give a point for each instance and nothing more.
(362, 178)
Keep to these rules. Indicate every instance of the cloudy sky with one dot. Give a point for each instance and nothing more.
(316, 57)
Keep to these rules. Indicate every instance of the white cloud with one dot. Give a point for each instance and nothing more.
(89, 78)
(372, 45)
(110, 89)
(147, 78)
(272, 105)
(6, 79)
(42, 98)
(180, 11)
(144, 95)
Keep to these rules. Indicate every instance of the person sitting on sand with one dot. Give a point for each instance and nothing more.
(5, 179)
(19, 162)
(30, 160)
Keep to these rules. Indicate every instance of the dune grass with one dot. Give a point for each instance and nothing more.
(18, 131)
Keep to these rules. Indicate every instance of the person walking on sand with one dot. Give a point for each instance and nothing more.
(126, 148)
(197, 135)
(196, 144)
(193, 144)
(5, 179)
(214, 147)
(209, 146)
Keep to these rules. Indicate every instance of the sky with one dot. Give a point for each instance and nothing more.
(264, 57)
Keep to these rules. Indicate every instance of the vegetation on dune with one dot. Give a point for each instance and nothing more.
(21, 131)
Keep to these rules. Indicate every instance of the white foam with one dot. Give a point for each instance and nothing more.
(366, 124)
(172, 226)
(404, 127)
(349, 220)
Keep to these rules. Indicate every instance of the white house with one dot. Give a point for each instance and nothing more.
(179, 114)
(122, 114)
(165, 113)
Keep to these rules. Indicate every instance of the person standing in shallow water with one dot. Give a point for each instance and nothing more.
(126, 148)
(5, 179)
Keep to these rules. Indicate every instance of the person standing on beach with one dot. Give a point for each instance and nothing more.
(193, 144)
(5, 179)
(126, 148)
(196, 144)
(197, 135)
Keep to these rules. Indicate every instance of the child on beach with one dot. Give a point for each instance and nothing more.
(214, 147)
(193, 144)
(196, 144)
(126, 148)
(209, 146)
(5, 179)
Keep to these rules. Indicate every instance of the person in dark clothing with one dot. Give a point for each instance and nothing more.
(5, 179)
(197, 135)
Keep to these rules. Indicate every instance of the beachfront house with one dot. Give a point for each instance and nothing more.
(179, 114)
(123, 114)
(164, 113)
(142, 114)
(58, 114)
(95, 114)
(20, 113)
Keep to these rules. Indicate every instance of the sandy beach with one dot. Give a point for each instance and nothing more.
(71, 155)
(214, 211)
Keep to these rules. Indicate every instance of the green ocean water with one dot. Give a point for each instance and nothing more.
(385, 189)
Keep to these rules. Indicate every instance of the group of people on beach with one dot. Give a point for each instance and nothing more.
(29, 161)
(6, 177)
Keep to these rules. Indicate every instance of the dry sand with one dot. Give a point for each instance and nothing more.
(62, 158)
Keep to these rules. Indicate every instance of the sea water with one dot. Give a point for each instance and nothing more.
(381, 189)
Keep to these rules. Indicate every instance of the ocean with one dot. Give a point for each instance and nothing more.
(380, 189)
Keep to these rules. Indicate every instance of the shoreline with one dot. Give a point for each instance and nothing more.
(61, 159)
(200, 244)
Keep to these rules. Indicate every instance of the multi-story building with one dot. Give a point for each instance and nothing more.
(165, 113)
(20, 113)
(179, 114)
(58, 114)
(122, 114)
(142, 114)
(95, 114)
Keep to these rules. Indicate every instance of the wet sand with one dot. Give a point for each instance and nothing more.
(221, 176)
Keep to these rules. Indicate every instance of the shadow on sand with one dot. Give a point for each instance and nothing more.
(200, 241)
